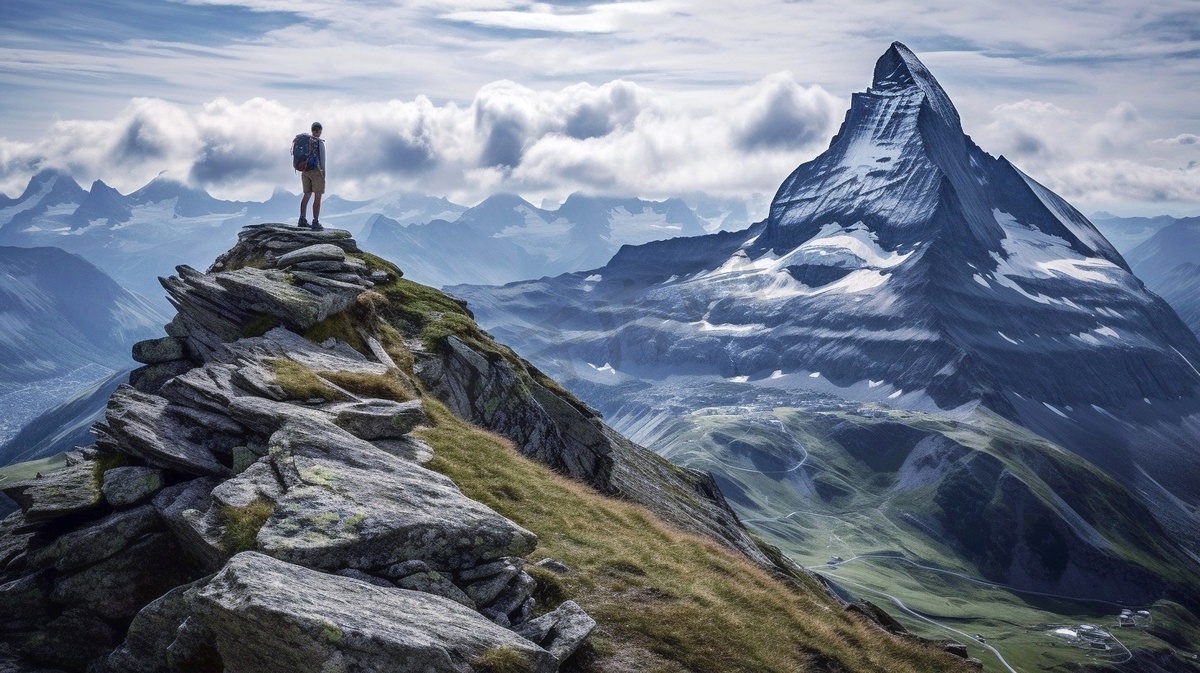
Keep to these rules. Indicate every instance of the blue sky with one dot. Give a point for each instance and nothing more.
(655, 98)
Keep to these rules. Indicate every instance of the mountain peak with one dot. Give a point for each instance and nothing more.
(899, 70)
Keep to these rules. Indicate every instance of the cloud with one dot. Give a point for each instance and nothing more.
(552, 18)
(1181, 139)
(1085, 156)
(781, 114)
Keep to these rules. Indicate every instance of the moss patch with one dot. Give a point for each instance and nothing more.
(501, 660)
(390, 386)
(299, 382)
(242, 525)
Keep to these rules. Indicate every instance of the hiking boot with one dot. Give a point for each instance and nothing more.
(316, 226)
(303, 223)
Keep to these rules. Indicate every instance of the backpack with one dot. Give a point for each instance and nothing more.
(305, 153)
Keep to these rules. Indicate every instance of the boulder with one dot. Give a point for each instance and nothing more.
(151, 378)
(70, 490)
(320, 252)
(24, 602)
(151, 633)
(124, 486)
(318, 266)
(484, 591)
(560, 632)
(98, 541)
(70, 640)
(124, 583)
(143, 425)
(435, 583)
(267, 616)
(348, 504)
(158, 351)
(12, 543)
(378, 419)
(187, 510)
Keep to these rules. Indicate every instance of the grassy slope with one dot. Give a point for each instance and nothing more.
(665, 600)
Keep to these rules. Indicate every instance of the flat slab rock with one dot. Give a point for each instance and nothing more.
(349, 504)
(268, 616)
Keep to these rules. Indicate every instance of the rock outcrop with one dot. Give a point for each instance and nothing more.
(245, 509)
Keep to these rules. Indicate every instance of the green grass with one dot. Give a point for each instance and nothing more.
(242, 525)
(501, 660)
(299, 382)
(29, 469)
(867, 519)
(664, 599)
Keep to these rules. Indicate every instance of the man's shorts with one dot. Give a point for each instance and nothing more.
(313, 181)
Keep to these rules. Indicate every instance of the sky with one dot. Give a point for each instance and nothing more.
(1097, 99)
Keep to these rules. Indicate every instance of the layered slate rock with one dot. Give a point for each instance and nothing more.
(370, 559)
(311, 621)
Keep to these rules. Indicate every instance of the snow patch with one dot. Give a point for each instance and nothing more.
(896, 394)
(594, 278)
(605, 368)
(738, 379)
(1011, 341)
(815, 375)
(1052, 408)
(777, 374)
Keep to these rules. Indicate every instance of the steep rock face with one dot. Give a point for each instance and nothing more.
(906, 266)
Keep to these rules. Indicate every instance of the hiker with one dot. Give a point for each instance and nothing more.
(312, 177)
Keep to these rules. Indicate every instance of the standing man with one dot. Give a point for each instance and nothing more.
(313, 182)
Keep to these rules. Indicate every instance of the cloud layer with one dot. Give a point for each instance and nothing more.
(616, 138)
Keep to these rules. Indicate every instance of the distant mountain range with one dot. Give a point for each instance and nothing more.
(506, 238)
(140, 236)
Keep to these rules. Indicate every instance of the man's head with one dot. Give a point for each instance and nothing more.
(316, 128)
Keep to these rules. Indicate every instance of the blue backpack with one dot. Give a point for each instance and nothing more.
(305, 153)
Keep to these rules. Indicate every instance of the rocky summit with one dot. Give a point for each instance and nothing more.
(260, 498)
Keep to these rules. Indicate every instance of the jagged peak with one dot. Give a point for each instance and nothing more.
(899, 69)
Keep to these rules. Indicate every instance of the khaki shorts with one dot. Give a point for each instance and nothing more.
(313, 181)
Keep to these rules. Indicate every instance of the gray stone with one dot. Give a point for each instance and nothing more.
(486, 570)
(484, 591)
(435, 583)
(209, 387)
(12, 543)
(71, 640)
(151, 378)
(319, 266)
(151, 632)
(378, 419)
(348, 504)
(408, 447)
(158, 351)
(142, 425)
(69, 490)
(121, 585)
(554, 565)
(561, 632)
(398, 571)
(187, 510)
(98, 541)
(256, 483)
(316, 282)
(379, 276)
(311, 253)
(265, 416)
(24, 602)
(515, 593)
(364, 577)
(194, 649)
(129, 485)
(268, 616)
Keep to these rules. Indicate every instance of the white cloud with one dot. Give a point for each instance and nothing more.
(1086, 156)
